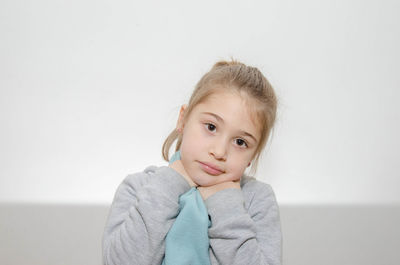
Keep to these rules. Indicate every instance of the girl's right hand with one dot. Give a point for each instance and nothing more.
(178, 167)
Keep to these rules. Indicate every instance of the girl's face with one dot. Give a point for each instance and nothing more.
(219, 139)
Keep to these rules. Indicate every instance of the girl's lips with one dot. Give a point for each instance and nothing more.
(210, 169)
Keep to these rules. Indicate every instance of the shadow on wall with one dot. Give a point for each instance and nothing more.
(320, 235)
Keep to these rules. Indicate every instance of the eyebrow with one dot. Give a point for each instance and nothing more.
(221, 120)
(215, 116)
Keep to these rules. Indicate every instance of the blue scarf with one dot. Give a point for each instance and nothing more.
(187, 241)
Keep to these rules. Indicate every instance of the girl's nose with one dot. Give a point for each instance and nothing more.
(218, 150)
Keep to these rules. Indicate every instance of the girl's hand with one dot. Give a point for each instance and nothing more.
(178, 167)
(208, 191)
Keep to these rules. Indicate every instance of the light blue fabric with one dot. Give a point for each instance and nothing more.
(187, 241)
(176, 156)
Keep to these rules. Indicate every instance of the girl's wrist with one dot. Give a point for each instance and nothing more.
(178, 167)
(206, 192)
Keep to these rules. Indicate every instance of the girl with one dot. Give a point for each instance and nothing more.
(220, 133)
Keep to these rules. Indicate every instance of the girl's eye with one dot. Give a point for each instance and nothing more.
(211, 127)
(241, 142)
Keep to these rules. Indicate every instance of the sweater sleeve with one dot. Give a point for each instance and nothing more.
(143, 210)
(245, 226)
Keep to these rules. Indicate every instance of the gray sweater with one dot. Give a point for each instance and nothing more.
(245, 222)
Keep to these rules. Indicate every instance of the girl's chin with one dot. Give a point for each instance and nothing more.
(205, 182)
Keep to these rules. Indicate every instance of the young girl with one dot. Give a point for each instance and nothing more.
(220, 133)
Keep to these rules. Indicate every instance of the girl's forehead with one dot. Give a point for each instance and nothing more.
(231, 107)
(225, 100)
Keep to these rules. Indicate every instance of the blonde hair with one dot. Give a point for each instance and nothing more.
(241, 78)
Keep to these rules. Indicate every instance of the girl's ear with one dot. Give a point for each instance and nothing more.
(180, 124)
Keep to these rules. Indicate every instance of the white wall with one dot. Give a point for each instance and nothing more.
(89, 89)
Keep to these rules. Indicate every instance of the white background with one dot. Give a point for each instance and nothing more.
(90, 89)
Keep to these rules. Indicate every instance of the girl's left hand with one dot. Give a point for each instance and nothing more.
(208, 191)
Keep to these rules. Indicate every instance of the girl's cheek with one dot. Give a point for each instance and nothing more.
(235, 177)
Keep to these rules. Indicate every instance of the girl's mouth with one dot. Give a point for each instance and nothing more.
(210, 169)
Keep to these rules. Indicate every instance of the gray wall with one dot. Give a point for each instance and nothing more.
(46, 234)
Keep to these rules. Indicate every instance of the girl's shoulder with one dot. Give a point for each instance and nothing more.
(251, 183)
(150, 171)
(159, 179)
(152, 175)
(256, 191)
(139, 177)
